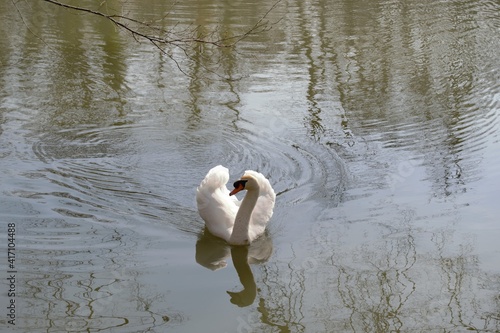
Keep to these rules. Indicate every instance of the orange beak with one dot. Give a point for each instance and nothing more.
(239, 186)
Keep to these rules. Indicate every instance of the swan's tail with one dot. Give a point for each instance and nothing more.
(217, 177)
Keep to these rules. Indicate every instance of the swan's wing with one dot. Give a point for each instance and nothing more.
(265, 204)
(215, 206)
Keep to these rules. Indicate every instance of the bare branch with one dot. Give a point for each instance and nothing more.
(112, 18)
(175, 38)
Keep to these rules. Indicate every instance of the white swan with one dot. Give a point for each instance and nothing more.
(237, 222)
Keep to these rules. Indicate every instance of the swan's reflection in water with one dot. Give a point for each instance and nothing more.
(213, 252)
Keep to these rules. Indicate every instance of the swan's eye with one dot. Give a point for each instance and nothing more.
(239, 183)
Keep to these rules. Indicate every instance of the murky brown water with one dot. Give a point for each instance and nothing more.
(376, 121)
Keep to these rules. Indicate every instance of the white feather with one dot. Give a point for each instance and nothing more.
(219, 210)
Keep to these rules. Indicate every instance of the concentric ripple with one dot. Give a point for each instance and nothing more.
(298, 170)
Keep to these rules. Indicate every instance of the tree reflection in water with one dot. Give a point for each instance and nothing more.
(401, 281)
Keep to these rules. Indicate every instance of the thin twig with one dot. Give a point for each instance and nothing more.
(169, 37)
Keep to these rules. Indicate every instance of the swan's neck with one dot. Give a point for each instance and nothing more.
(240, 236)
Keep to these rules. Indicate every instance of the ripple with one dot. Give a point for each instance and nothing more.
(63, 244)
(299, 171)
(80, 142)
(93, 168)
(80, 269)
(475, 130)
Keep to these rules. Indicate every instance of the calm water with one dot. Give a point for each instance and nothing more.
(376, 121)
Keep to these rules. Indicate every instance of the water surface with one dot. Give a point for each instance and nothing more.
(376, 122)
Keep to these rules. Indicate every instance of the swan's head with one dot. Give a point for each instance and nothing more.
(247, 182)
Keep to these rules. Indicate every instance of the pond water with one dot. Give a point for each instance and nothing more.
(376, 122)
